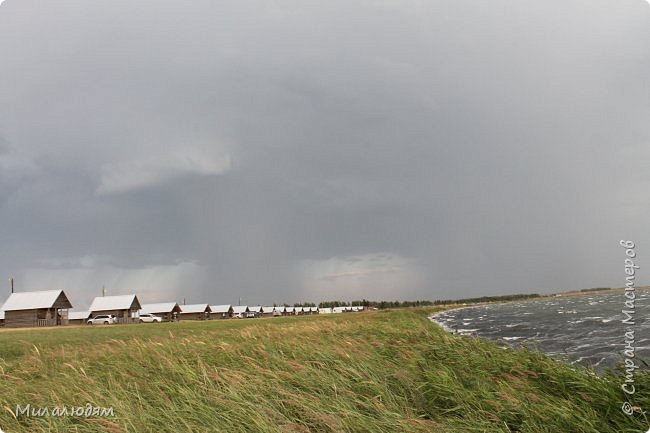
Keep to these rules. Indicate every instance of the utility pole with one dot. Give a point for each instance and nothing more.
(12, 283)
(103, 291)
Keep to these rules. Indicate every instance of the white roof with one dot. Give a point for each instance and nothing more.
(289, 309)
(237, 309)
(122, 302)
(269, 309)
(31, 300)
(257, 309)
(78, 315)
(2, 315)
(220, 308)
(194, 308)
(162, 307)
(325, 310)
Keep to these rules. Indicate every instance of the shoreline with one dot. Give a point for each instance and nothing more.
(433, 317)
(502, 336)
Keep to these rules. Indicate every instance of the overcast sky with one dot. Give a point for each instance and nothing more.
(285, 151)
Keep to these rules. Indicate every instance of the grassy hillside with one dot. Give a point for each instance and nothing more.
(370, 372)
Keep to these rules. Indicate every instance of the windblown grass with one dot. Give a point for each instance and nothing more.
(372, 372)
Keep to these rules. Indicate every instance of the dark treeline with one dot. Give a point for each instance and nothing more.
(595, 289)
(504, 298)
(423, 303)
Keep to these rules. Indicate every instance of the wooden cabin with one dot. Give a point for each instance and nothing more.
(289, 311)
(2, 318)
(240, 311)
(42, 308)
(267, 312)
(124, 307)
(195, 312)
(169, 311)
(221, 311)
(78, 317)
(255, 311)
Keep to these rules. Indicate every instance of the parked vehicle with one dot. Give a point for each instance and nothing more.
(150, 318)
(102, 319)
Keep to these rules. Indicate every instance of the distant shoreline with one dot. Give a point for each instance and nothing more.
(591, 292)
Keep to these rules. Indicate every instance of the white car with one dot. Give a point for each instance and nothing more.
(150, 318)
(102, 319)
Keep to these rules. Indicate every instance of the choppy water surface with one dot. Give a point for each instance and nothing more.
(585, 329)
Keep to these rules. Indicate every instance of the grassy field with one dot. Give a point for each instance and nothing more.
(368, 372)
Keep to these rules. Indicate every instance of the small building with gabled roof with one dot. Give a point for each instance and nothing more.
(41, 308)
(240, 311)
(78, 317)
(255, 311)
(124, 307)
(267, 311)
(195, 312)
(221, 311)
(169, 311)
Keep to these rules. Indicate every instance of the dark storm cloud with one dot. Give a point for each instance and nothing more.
(285, 151)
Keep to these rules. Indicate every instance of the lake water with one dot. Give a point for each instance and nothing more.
(587, 330)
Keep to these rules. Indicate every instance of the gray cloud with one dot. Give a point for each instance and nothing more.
(283, 151)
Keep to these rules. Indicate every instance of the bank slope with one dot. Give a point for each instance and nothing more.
(367, 372)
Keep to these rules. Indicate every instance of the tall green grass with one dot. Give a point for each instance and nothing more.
(371, 372)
